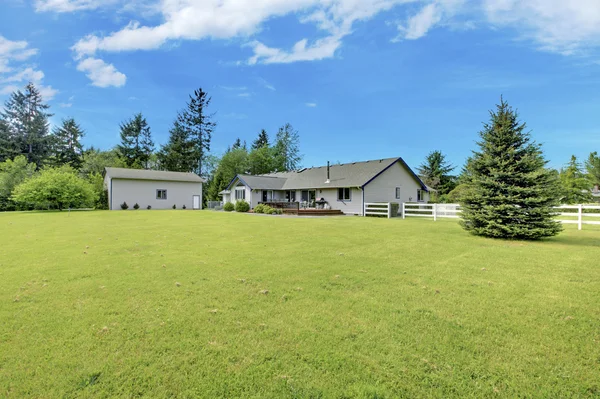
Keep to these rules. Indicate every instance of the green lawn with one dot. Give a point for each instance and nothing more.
(172, 304)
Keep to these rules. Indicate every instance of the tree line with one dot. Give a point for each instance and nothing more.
(29, 147)
(576, 180)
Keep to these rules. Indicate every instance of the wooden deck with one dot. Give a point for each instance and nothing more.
(320, 212)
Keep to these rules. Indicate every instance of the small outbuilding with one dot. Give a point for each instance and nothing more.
(152, 188)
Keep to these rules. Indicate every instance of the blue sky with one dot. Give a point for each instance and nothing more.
(359, 79)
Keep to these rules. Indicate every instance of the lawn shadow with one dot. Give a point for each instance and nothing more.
(575, 241)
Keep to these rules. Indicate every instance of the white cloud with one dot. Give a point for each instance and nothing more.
(226, 19)
(311, 105)
(244, 95)
(61, 6)
(266, 84)
(555, 25)
(47, 92)
(100, 73)
(419, 24)
(14, 74)
(562, 26)
(65, 105)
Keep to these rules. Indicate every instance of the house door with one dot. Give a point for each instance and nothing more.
(196, 202)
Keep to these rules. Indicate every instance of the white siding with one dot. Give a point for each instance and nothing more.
(383, 188)
(352, 207)
(143, 192)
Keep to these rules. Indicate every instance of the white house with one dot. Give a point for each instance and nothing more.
(157, 189)
(345, 187)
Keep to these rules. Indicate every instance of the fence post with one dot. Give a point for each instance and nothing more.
(389, 210)
(404, 210)
(435, 212)
(580, 217)
(364, 209)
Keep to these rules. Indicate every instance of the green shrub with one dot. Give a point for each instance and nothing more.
(174, 206)
(124, 206)
(149, 207)
(269, 210)
(242, 206)
(136, 206)
(184, 207)
(228, 207)
(55, 188)
(260, 208)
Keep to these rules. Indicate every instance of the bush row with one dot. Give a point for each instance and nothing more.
(266, 209)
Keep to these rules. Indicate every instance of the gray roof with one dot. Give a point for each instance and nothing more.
(263, 182)
(355, 174)
(141, 174)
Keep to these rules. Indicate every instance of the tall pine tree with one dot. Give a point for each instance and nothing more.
(261, 141)
(179, 154)
(136, 145)
(25, 118)
(198, 124)
(67, 144)
(510, 193)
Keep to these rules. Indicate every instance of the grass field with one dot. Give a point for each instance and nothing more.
(174, 304)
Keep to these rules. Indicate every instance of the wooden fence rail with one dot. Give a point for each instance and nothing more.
(579, 212)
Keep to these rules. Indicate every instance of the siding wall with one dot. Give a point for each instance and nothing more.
(143, 192)
(352, 207)
(383, 188)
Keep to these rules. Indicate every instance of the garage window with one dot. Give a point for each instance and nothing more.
(161, 194)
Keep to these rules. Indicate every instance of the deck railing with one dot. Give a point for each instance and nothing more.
(287, 207)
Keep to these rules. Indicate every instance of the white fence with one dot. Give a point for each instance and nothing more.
(579, 214)
(214, 204)
(434, 211)
(378, 209)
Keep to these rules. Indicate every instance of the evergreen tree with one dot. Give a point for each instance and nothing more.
(261, 141)
(198, 124)
(136, 142)
(575, 184)
(26, 126)
(510, 193)
(68, 149)
(592, 166)
(179, 154)
(237, 144)
(8, 143)
(435, 172)
(286, 149)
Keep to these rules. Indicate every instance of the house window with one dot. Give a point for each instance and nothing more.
(344, 194)
(397, 192)
(240, 193)
(161, 194)
(421, 195)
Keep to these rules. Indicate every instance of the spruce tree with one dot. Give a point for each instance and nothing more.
(510, 193)
(136, 145)
(576, 187)
(198, 124)
(261, 141)
(435, 172)
(26, 118)
(179, 154)
(67, 144)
